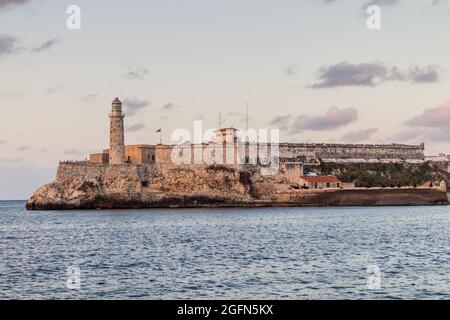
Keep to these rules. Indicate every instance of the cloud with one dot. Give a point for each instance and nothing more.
(437, 2)
(291, 70)
(437, 117)
(426, 74)
(416, 135)
(437, 135)
(23, 148)
(407, 135)
(54, 89)
(281, 122)
(132, 106)
(359, 135)
(346, 74)
(433, 125)
(10, 95)
(8, 44)
(170, 107)
(136, 73)
(135, 127)
(3, 141)
(334, 118)
(4, 3)
(46, 45)
(89, 97)
(372, 74)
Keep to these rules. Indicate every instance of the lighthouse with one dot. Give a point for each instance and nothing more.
(116, 134)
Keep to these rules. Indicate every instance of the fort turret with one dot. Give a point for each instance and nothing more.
(116, 134)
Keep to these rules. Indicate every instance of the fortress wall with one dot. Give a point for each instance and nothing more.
(129, 178)
(288, 152)
(354, 151)
(197, 179)
(144, 154)
(197, 154)
(163, 154)
(99, 158)
(367, 197)
(71, 170)
(113, 178)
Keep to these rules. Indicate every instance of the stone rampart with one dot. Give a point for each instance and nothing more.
(353, 151)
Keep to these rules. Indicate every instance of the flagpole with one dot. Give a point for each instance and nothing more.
(246, 111)
(160, 135)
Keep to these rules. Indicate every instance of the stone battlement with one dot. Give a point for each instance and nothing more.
(308, 153)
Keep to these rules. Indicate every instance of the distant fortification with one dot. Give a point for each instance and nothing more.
(235, 151)
(224, 173)
(83, 185)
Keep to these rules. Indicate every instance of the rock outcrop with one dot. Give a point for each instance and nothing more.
(79, 192)
(88, 186)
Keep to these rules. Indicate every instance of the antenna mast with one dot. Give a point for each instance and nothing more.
(246, 110)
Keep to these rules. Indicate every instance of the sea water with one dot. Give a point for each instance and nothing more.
(264, 253)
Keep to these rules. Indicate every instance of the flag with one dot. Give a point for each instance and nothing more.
(159, 130)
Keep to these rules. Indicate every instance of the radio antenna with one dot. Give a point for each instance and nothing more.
(246, 111)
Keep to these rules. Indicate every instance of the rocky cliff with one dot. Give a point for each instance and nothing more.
(87, 186)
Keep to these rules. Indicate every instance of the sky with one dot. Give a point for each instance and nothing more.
(311, 68)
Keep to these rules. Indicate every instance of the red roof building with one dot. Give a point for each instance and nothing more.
(320, 182)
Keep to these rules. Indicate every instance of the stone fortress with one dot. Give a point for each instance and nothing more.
(222, 173)
(309, 154)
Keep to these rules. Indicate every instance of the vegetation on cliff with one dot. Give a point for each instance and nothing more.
(386, 174)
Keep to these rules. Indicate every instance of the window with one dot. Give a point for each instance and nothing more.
(144, 183)
(328, 184)
(153, 157)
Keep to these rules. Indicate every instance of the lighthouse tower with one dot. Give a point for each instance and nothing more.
(116, 134)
